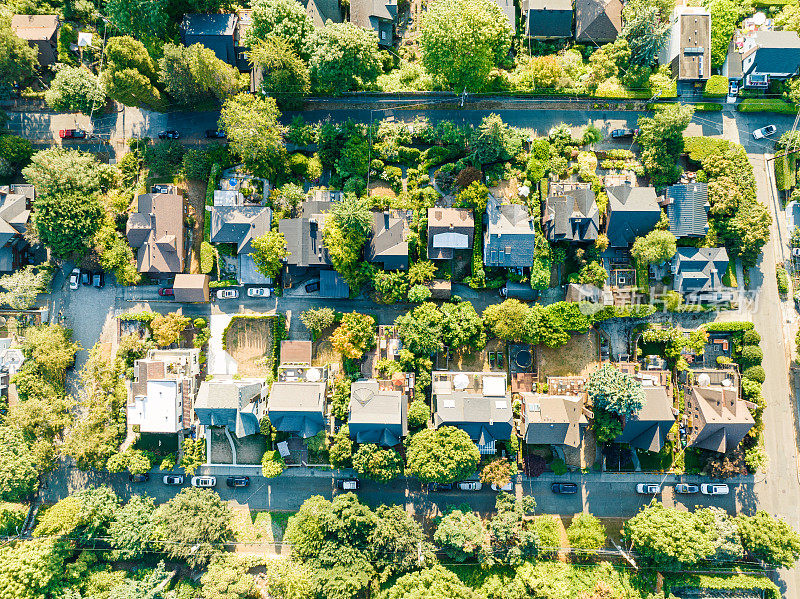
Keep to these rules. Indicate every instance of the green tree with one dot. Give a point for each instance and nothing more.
(586, 532)
(444, 455)
(725, 15)
(542, 327)
(341, 449)
(506, 321)
(654, 248)
(345, 57)
(391, 287)
(418, 293)
(615, 391)
(18, 470)
(462, 41)
(318, 319)
(606, 426)
(592, 274)
(285, 75)
(12, 517)
(495, 141)
(354, 336)
(228, 578)
(269, 252)
(769, 539)
(397, 542)
(511, 540)
(421, 272)
(251, 124)
(131, 532)
(286, 19)
(146, 588)
(98, 508)
(67, 223)
(75, 89)
(645, 31)
(421, 329)
(497, 472)
(661, 139)
(130, 74)
(436, 583)
(52, 349)
(167, 328)
(20, 288)
(142, 19)
(418, 414)
(192, 526)
(461, 535)
(32, 569)
(374, 463)
(462, 327)
(18, 59)
(193, 75)
(352, 215)
(56, 171)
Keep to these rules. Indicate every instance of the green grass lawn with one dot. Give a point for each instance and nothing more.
(766, 105)
(729, 278)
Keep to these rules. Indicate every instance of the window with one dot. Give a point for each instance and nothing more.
(383, 35)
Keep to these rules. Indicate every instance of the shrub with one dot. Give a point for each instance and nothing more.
(206, 257)
(418, 414)
(766, 105)
(752, 355)
(728, 327)
(558, 467)
(755, 373)
(708, 107)
(751, 338)
(12, 517)
(418, 293)
(785, 172)
(783, 280)
(272, 464)
(716, 87)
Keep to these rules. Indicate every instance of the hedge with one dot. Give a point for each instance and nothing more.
(751, 338)
(707, 107)
(752, 355)
(478, 278)
(783, 279)
(12, 517)
(785, 172)
(722, 582)
(698, 148)
(755, 373)
(716, 87)
(212, 185)
(729, 327)
(206, 258)
(766, 105)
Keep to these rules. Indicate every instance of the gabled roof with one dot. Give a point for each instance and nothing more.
(157, 230)
(553, 419)
(14, 214)
(648, 428)
(239, 225)
(548, 18)
(388, 243)
(719, 417)
(376, 415)
(484, 413)
(233, 404)
(699, 269)
(571, 215)
(304, 235)
(509, 10)
(687, 209)
(775, 52)
(209, 24)
(297, 408)
(363, 11)
(597, 21)
(320, 11)
(510, 237)
(449, 229)
(632, 212)
(35, 27)
(332, 285)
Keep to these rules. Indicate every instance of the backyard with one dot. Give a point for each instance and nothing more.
(578, 357)
(249, 341)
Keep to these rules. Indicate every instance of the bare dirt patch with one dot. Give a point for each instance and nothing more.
(195, 193)
(249, 342)
(578, 357)
(507, 190)
(478, 361)
(381, 188)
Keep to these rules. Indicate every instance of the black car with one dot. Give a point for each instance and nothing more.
(215, 134)
(169, 134)
(86, 277)
(139, 478)
(237, 481)
(98, 280)
(564, 488)
(623, 133)
(312, 287)
(440, 486)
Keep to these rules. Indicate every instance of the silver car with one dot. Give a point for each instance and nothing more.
(648, 489)
(713, 489)
(470, 485)
(204, 482)
(686, 488)
(227, 294)
(764, 132)
(258, 292)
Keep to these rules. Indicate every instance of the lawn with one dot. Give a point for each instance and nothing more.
(578, 357)
(766, 105)
(259, 526)
(729, 278)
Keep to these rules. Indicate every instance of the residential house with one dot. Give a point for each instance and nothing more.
(717, 417)
(378, 412)
(510, 11)
(191, 288)
(584, 292)
(162, 390)
(304, 238)
(15, 213)
(571, 215)
(597, 21)
(553, 419)
(216, 32)
(11, 361)
(699, 271)
(548, 19)
(687, 209)
(156, 230)
(237, 405)
(510, 238)
(41, 32)
(240, 225)
(322, 11)
(648, 428)
(632, 212)
(244, 20)
(756, 57)
(332, 285)
(388, 243)
(687, 50)
(376, 15)
(476, 402)
(329, 196)
(449, 229)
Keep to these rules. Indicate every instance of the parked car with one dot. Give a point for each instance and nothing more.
(469, 485)
(72, 134)
(733, 88)
(139, 478)
(98, 280)
(258, 292)
(215, 134)
(686, 488)
(169, 134)
(564, 488)
(74, 279)
(509, 486)
(173, 479)
(623, 133)
(204, 482)
(348, 484)
(312, 287)
(520, 291)
(714, 489)
(765, 132)
(166, 292)
(440, 486)
(237, 482)
(648, 489)
(227, 294)
(86, 277)
(162, 188)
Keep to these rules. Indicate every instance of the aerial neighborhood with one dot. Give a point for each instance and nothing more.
(459, 299)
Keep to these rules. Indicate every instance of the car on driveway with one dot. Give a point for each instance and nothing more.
(139, 478)
(215, 134)
(623, 133)
(204, 482)
(648, 489)
(686, 488)
(86, 277)
(312, 287)
(166, 292)
(469, 485)
(509, 486)
(75, 279)
(765, 132)
(440, 486)
(173, 479)
(237, 482)
(72, 134)
(564, 488)
(169, 134)
(227, 294)
(258, 292)
(714, 489)
(98, 280)
(348, 484)
(733, 88)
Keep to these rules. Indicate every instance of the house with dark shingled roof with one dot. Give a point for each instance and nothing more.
(632, 212)
(548, 19)
(377, 413)
(510, 237)
(687, 209)
(571, 215)
(597, 21)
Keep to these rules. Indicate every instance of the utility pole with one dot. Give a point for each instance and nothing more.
(463, 97)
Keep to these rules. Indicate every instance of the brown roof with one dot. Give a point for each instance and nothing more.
(553, 419)
(295, 352)
(149, 370)
(162, 250)
(597, 21)
(35, 27)
(719, 418)
(191, 288)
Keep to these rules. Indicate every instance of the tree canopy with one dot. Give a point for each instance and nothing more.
(130, 74)
(443, 455)
(656, 247)
(251, 124)
(286, 19)
(461, 535)
(75, 89)
(345, 57)
(355, 335)
(375, 463)
(434, 583)
(18, 469)
(661, 138)
(615, 391)
(769, 539)
(193, 75)
(285, 75)
(18, 59)
(268, 253)
(421, 329)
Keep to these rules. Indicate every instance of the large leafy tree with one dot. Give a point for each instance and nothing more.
(75, 89)
(18, 469)
(421, 329)
(18, 59)
(661, 138)
(146, 588)
(444, 455)
(228, 578)
(130, 74)
(59, 171)
(461, 535)
(251, 124)
(32, 569)
(769, 538)
(462, 41)
(345, 57)
(586, 532)
(511, 540)
(20, 288)
(493, 141)
(436, 583)
(285, 19)
(615, 391)
(355, 335)
(285, 75)
(381, 465)
(654, 248)
(287, 578)
(725, 15)
(142, 19)
(131, 532)
(268, 253)
(645, 31)
(462, 327)
(506, 321)
(167, 328)
(194, 74)
(397, 543)
(67, 222)
(51, 347)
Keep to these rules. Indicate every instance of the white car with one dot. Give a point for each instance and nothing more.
(712, 489)
(258, 292)
(227, 294)
(204, 482)
(765, 132)
(509, 486)
(470, 485)
(648, 489)
(74, 279)
(173, 479)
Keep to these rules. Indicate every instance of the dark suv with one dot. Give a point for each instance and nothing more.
(237, 481)
(564, 488)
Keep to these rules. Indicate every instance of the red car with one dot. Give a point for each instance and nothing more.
(166, 292)
(72, 134)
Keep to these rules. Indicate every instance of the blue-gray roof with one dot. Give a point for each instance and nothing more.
(215, 32)
(632, 212)
(549, 18)
(236, 405)
(571, 215)
(332, 285)
(510, 237)
(687, 209)
(699, 269)
(297, 407)
(376, 415)
(648, 428)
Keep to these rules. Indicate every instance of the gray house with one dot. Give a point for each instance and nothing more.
(597, 21)
(548, 19)
(632, 212)
(298, 407)
(757, 57)
(377, 15)
(571, 215)
(304, 237)
(718, 419)
(687, 208)
(553, 419)
(388, 244)
(239, 225)
(216, 32)
(699, 270)
(238, 405)
(510, 237)
(15, 203)
(377, 413)
(321, 11)
(449, 229)
(648, 428)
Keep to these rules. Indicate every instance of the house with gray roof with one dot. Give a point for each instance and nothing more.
(322, 11)
(158, 234)
(699, 271)
(388, 243)
(548, 19)
(298, 407)
(216, 32)
(239, 225)
(304, 237)
(510, 238)
(648, 428)
(449, 229)
(237, 405)
(332, 285)
(687, 209)
(757, 57)
(597, 21)
(378, 412)
(632, 212)
(553, 419)
(476, 402)
(15, 213)
(510, 11)
(718, 418)
(571, 215)
(41, 32)
(376, 15)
